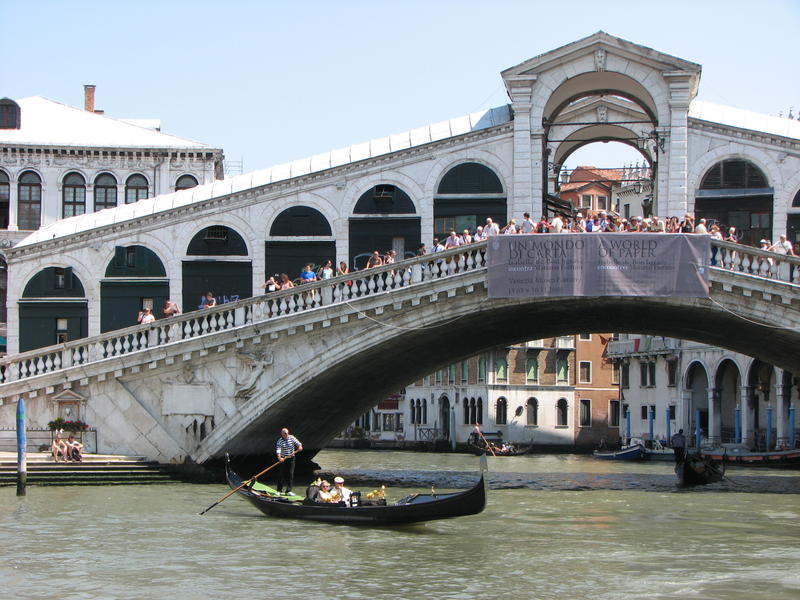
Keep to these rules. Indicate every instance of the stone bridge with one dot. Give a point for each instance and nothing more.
(313, 358)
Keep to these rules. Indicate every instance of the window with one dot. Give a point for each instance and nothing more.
(602, 203)
(388, 422)
(733, 174)
(464, 371)
(642, 374)
(451, 374)
(532, 370)
(62, 336)
(585, 337)
(501, 369)
(473, 411)
(671, 412)
(651, 369)
(135, 189)
(9, 114)
(532, 415)
(615, 373)
(426, 381)
(586, 413)
(73, 195)
(561, 413)
(647, 373)
(613, 413)
(644, 412)
(60, 278)
(478, 411)
(585, 371)
(29, 189)
(466, 410)
(482, 370)
(5, 196)
(185, 182)
(647, 410)
(625, 375)
(501, 412)
(439, 377)
(562, 371)
(586, 201)
(672, 373)
(105, 192)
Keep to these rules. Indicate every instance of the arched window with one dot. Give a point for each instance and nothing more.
(384, 199)
(300, 221)
(29, 210)
(561, 413)
(217, 240)
(5, 195)
(734, 174)
(466, 411)
(796, 201)
(135, 189)
(501, 411)
(9, 114)
(73, 194)
(185, 182)
(479, 411)
(467, 195)
(531, 369)
(105, 191)
(532, 407)
(473, 411)
(424, 412)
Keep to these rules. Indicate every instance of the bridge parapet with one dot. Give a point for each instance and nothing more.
(138, 342)
(142, 344)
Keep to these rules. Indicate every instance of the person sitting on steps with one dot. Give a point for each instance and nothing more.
(74, 449)
(59, 448)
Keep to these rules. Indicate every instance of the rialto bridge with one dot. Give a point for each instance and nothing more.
(315, 357)
(195, 385)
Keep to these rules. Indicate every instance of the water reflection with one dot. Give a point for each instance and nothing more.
(555, 527)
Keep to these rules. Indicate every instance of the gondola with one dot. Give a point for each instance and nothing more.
(698, 470)
(744, 456)
(414, 508)
(503, 450)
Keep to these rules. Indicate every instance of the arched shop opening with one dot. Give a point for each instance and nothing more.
(736, 193)
(216, 269)
(793, 224)
(378, 223)
(134, 279)
(468, 194)
(697, 388)
(296, 227)
(52, 310)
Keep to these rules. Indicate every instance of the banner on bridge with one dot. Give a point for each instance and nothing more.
(598, 264)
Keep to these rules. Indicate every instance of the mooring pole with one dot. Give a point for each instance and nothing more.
(22, 455)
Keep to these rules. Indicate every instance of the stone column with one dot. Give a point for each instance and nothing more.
(714, 433)
(673, 195)
(13, 204)
(686, 413)
(523, 194)
(782, 401)
(748, 414)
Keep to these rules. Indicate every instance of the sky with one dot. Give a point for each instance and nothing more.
(272, 81)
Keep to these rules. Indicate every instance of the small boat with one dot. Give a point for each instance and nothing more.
(696, 469)
(501, 450)
(741, 455)
(414, 508)
(632, 452)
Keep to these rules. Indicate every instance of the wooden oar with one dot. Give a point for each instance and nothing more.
(485, 441)
(232, 492)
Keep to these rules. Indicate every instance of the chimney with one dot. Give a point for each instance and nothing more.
(88, 98)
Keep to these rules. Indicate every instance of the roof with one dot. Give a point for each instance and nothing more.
(45, 122)
(744, 119)
(320, 162)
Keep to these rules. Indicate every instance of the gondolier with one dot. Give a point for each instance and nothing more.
(286, 448)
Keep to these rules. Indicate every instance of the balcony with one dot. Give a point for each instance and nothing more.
(645, 345)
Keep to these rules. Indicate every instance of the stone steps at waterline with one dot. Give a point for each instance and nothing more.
(93, 470)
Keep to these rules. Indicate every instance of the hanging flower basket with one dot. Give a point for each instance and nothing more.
(61, 424)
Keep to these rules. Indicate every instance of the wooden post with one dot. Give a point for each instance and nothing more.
(22, 456)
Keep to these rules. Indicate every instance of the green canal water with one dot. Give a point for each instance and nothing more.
(562, 527)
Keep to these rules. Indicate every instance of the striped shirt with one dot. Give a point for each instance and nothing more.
(286, 447)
